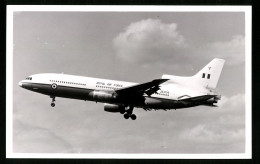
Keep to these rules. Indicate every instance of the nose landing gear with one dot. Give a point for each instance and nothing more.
(52, 103)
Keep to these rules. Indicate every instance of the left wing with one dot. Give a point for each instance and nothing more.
(149, 88)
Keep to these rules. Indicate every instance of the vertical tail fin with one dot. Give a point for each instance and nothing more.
(209, 75)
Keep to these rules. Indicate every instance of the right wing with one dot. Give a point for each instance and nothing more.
(149, 88)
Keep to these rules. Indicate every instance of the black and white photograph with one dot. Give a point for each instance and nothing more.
(129, 82)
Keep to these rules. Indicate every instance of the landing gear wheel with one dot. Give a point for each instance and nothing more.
(53, 100)
(53, 104)
(133, 116)
(126, 116)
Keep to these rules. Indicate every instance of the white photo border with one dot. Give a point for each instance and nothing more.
(90, 8)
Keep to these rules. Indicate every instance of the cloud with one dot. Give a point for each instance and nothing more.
(152, 41)
(192, 130)
(233, 102)
(148, 40)
(222, 131)
(204, 134)
(30, 139)
(232, 50)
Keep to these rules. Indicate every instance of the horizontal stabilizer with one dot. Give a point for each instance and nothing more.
(199, 98)
(211, 105)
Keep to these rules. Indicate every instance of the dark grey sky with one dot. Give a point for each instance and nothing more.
(136, 47)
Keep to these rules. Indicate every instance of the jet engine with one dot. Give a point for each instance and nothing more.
(102, 96)
(113, 108)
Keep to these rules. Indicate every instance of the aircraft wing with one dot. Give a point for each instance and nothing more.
(149, 88)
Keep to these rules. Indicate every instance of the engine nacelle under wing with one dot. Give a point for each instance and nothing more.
(103, 96)
(113, 108)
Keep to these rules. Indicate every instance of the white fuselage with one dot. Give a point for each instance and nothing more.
(168, 92)
(85, 88)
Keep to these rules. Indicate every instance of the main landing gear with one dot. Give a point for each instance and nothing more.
(129, 113)
(52, 102)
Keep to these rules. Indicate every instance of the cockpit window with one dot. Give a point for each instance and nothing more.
(28, 78)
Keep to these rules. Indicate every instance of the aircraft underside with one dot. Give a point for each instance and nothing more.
(124, 105)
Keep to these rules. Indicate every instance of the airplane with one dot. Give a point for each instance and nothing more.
(169, 92)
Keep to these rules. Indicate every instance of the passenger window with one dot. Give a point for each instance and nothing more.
(208, 76)
(203, 75)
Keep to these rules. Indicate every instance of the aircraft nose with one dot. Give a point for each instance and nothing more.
(21, 84)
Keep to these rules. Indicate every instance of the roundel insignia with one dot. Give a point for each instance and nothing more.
(54, 86)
